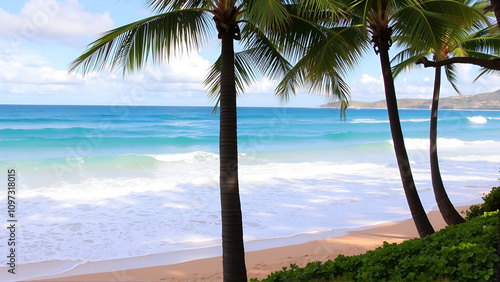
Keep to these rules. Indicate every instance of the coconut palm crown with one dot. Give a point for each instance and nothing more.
(380, 23)
(477, 42)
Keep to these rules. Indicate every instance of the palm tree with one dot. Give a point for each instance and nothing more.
(459, 42)
(419, 24)
(488, 64)
(181, 26)
(381, 19)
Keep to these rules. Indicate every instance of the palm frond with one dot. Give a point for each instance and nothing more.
(269, 15)
(156, 38)
(298, 35)
(414, 23)
(330, 84)
(262, 53)
(405, 60)
(260, 58)
(171, 5)
(321, 11)
(463, 13)
(483, 43)
(288, 85)
(341, 49)
(481, 55)
(485, 71)
(451, 76)
(244, 75)
(433, 21)
(325, 63)
(333, 86)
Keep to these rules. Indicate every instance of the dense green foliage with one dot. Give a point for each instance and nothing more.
(491, 203)
(460, 252)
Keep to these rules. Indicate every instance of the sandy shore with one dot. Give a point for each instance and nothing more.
(261, 263)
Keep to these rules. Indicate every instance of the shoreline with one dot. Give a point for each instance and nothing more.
(260, 263)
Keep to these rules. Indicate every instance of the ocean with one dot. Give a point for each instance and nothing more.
(104, 183)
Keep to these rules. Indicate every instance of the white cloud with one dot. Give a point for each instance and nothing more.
(180, 80)
(16, 73)
(188, 68)
(370, 88)
(367, 88)
(368, 79)
(466, 74)
(262, 86)
(22, 71)
(33, 64)
(487, 83)
(64, 22)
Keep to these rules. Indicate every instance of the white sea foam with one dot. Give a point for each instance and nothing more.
(368, 120)
(192, 157)
(173, 212)
(477, 119)
(450, 144)
(492, 158)
(416, 120)
(187, 157)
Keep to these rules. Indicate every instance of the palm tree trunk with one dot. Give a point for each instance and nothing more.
(418, 214)
(233, 253)
(448, 211)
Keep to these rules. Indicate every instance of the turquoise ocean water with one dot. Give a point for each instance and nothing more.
(103, 182)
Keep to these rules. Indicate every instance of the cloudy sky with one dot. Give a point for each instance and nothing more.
(39, 38)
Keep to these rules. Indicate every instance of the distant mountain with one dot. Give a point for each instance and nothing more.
(486, 101)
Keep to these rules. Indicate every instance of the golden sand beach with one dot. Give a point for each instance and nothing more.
(263, 262)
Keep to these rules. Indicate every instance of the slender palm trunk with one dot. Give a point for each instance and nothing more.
(448, 211)
(419, 216)
(233, 253)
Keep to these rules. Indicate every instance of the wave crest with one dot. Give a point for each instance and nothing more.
(477, 119)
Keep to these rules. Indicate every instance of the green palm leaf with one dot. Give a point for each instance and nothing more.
(170, 5)
(263, 53)
(406, 59)
(451, 76)
(485, 71)
(260, 55)
(472, 39)
(244, 76)
(268, 15)
(325, 63)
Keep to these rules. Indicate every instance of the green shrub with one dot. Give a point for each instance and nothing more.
(491, 203)
(492, 200)
(460, 252)
(473, 212)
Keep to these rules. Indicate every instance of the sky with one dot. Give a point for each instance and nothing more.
(40, 38)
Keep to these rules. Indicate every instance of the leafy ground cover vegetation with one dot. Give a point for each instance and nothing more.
(463, 252)
(491, 203)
